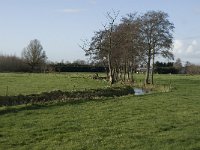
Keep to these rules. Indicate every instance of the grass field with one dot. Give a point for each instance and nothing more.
(24, 83)
(153, 121)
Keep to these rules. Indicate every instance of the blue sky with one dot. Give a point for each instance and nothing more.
(61, 24)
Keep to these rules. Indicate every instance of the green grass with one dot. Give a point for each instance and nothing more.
(36, 83)
(153, 121)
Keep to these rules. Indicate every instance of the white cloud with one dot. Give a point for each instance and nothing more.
(194, 42)
(178, 46)
(71, 10)
(187, 50)
(190, 49)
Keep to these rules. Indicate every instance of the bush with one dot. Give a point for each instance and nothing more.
(65, 96)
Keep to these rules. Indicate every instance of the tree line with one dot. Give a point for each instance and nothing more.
(12, 63)
(136, 39)
(33, 59)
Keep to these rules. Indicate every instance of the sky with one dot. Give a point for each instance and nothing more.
(61, 25)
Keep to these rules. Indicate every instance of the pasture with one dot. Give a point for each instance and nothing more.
(159, 120)
(25, 83)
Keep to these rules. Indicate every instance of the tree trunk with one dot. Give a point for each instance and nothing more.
(121, 72)
(32, 68)
(132, 70)
(111, 73)
(148, 67)
(124, 71)
(111, 79)
(152, 71)
(107, 70)
(128, 74)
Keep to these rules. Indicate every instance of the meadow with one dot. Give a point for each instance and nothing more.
(25, 83)
(160, 120)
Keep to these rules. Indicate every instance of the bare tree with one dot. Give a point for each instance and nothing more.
(102, 44)
(192, 68)
(110, 30)
(156, 33)
(132, 48)
(178, 65)
(122, 47)
(34, 55)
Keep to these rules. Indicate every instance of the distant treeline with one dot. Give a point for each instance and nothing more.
(176, 68)
(74, 67)
(12, 63)
(165, 68)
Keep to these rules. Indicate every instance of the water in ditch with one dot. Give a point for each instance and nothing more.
(140, 91)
